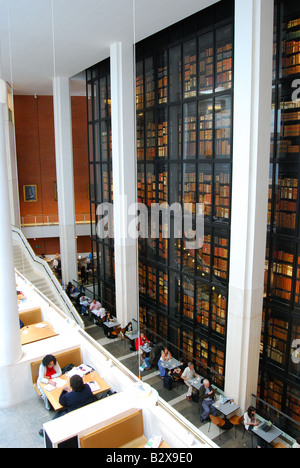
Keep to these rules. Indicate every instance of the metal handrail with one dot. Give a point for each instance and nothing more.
(68, 304)
(296, 423)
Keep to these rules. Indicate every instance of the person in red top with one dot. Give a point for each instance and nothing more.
(141, 341)
(49, 370)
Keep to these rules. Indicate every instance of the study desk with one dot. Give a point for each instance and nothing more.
(226, 408)
(54, 395)
(37, 332)
(171, 364)
(269, 436)
(132, 335)
(111, 324)
(146, 348)
(196, 383)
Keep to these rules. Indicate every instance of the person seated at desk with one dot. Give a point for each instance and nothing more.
(83, 305)
(49, 370)
(68, 288)
(250, 422)
(74, 397)
(107, 318)
(177, 372)
(94, 307)
(141, 341)
(74, 291)
(206, 399)
(127, 331)
(165, 357)
(187, 375)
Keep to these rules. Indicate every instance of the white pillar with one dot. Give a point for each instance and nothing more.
(11, 157)
(10, 337)
(251, 156)
(124, 178)
(65, 178)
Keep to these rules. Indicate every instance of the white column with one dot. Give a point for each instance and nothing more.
(65, 178)
(10, 337)
(251, 154)
(124, 178)
(11, 157)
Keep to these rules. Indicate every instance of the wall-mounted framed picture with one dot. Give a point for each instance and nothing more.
(30, 193)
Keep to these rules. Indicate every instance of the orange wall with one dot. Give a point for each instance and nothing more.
(36, 153)
(50, 246)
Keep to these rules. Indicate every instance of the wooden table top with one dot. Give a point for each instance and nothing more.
(54, 395)
(32, 333)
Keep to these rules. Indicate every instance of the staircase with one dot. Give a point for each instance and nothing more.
(37, 271)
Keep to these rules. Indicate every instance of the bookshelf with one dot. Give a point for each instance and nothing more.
(203, 305)
(291, 47)
(139, 85)
(222, 187)
(175, 73)
(277, 340)
(282, 274)
(190, 69)
(287, 195)
(205, 186)
(187, 341)
(206, 63)
(205, 116)
(188, 299)
(190, 132)
(203, 257)
(221, 256)
(140, 136)
(219, 312)
(101, 177)
(202, 354)
(162, 78)
(279, 384)
(224, 59)
(223, 127)
(149, 82)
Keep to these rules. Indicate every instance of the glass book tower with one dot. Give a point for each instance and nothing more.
(184, 94)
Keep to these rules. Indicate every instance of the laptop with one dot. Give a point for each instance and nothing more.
(266, 427)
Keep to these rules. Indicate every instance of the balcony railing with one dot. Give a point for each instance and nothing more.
(52, 220)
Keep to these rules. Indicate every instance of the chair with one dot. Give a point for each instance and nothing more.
(236, 421)
(122, 333)
(280, 446)
(217, 421)
(251, 434)
(116, 332)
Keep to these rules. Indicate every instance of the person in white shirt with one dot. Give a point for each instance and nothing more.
(83, 303)
(188, 375)
(94, 307)
(250, 422)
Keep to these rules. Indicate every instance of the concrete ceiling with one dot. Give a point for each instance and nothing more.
(78, 33)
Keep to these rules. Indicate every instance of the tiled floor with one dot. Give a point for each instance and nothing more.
(20, 425)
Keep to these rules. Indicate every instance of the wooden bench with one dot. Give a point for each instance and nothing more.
(31, 316)
(126, 430)
(65, 358)
(123, 431)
